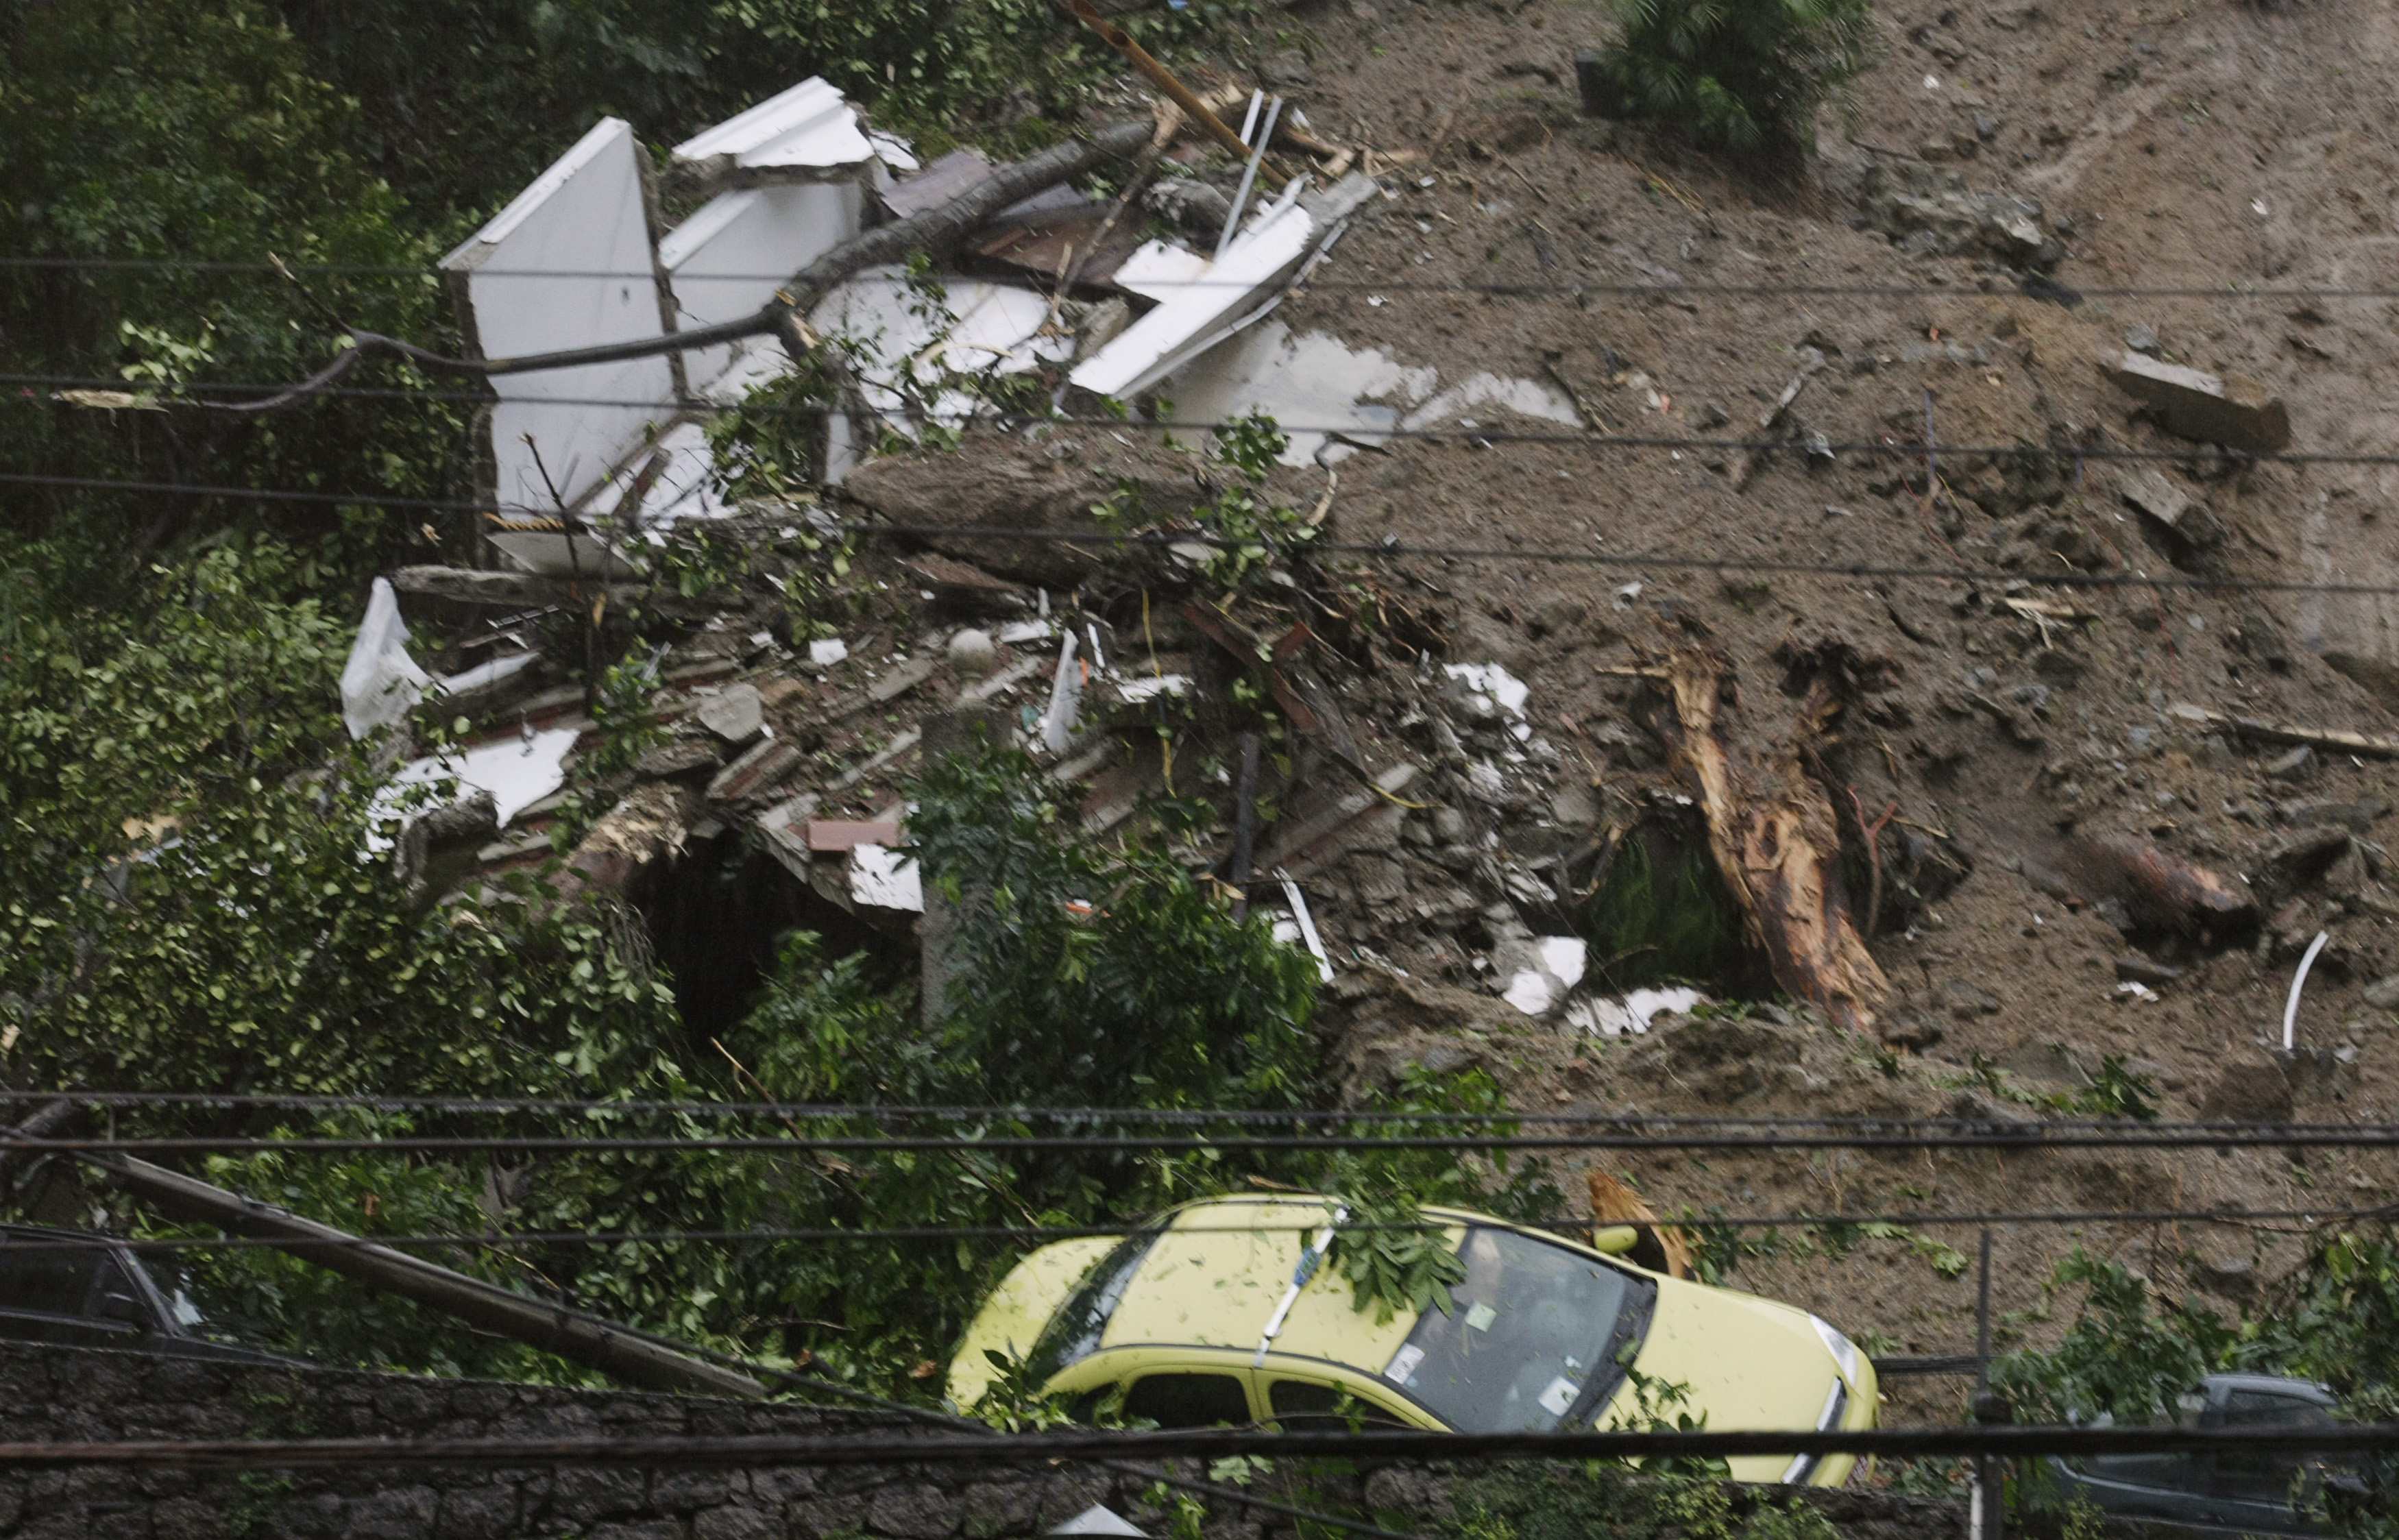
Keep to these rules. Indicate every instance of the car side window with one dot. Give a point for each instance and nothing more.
(1308, 1405)
(46, 1279)
(2266, 1475)
(1188, 1400)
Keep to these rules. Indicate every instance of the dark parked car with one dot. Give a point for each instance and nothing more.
(85, 1289)
(2270, 1492)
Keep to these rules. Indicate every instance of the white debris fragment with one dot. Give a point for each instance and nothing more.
(1017, 632)
(1631, 1015)
(1563, 958)
(1503, 687)
(883, 878)
(811, 125)
(1307, 924)
(1135, 691)
(1529, 992)
(380, 682)
(491, 672)
(2133, 990)
(1065, 701)
(827, 650)
(518, 772)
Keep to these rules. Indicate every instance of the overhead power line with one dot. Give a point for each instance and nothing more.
(1895, 1136)
(1043, 1235)
(1622, 1121)
(2227, 291)
(829, 1450)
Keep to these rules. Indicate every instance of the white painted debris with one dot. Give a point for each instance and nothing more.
(1134, 691)
(491, 672)
(518, 771)
(1261, 258)
(1098, 1520)
(1160, 270)
(1504, 688)
(1557, 964)
(811, 126)
(827, 650)
(883, 878)
(906, 348)
(2134, 990)
(1016, 631)
(565, 266)
(1065, 701)
(677, 479)
(1631, 1015)
(1348, 395)
(1307, 924)
(380, 682)
(721, 264)
(1530, 991)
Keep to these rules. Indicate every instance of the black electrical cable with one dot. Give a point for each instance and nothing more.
(987, 1112)
(2009, 1442)
(1047, 1234)
(1495, 287)
(1992, 1136)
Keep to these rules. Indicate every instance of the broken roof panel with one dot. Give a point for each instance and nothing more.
(1205, 312)
(810, 127)
(567, 264)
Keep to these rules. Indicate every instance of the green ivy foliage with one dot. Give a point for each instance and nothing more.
(2133, 1348)
(1738, 75)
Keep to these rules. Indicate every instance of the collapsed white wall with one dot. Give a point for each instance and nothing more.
(727, 259)
(568, 265)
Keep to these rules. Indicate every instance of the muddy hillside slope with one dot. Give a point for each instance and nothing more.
(2074, 858)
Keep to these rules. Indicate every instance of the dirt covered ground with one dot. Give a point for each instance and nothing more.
(2217, 146)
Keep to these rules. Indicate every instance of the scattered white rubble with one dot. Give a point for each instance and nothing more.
(1631, 1015)
(518, 771)
(827, 650)
(883, 878)
(1343, 397)
(381, 683)
(1057, 719)
(1306, 923)
(1557, 964)
(1140, 689)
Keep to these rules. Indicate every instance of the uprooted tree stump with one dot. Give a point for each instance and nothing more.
(1776, 840)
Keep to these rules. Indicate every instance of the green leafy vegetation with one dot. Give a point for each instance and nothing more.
(1738, 75)
(2133, 1350)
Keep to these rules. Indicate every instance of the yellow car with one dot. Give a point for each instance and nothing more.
(1219, 1311)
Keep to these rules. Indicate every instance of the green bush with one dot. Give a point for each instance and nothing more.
(1739, 75)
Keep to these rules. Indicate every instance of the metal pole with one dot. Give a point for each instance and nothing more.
(1990, 1475)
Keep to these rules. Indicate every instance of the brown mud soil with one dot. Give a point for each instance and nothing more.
(2218, 147)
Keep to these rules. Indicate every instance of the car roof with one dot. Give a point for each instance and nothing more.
(51, 1231)
(1217, 1270)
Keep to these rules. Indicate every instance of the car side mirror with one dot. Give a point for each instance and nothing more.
(122, 1307)
(1615, 1240)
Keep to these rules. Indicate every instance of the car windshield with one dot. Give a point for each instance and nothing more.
(1533, 1332)
(1074, 1332)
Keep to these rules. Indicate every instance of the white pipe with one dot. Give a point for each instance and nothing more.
(1248, 178)
(2298, 980)
(1257, 100)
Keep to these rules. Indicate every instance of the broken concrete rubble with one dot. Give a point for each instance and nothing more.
(2213, 409)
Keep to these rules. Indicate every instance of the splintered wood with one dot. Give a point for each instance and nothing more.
(1776, 840)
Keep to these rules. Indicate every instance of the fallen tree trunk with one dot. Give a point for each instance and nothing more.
(2160, 891)
(648, 826)
(1776, 841)
(936, 231)
(570, 1334)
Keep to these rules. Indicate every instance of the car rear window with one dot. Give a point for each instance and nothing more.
(1074, 1332)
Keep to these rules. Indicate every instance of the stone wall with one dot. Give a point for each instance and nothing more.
(71, 1394)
